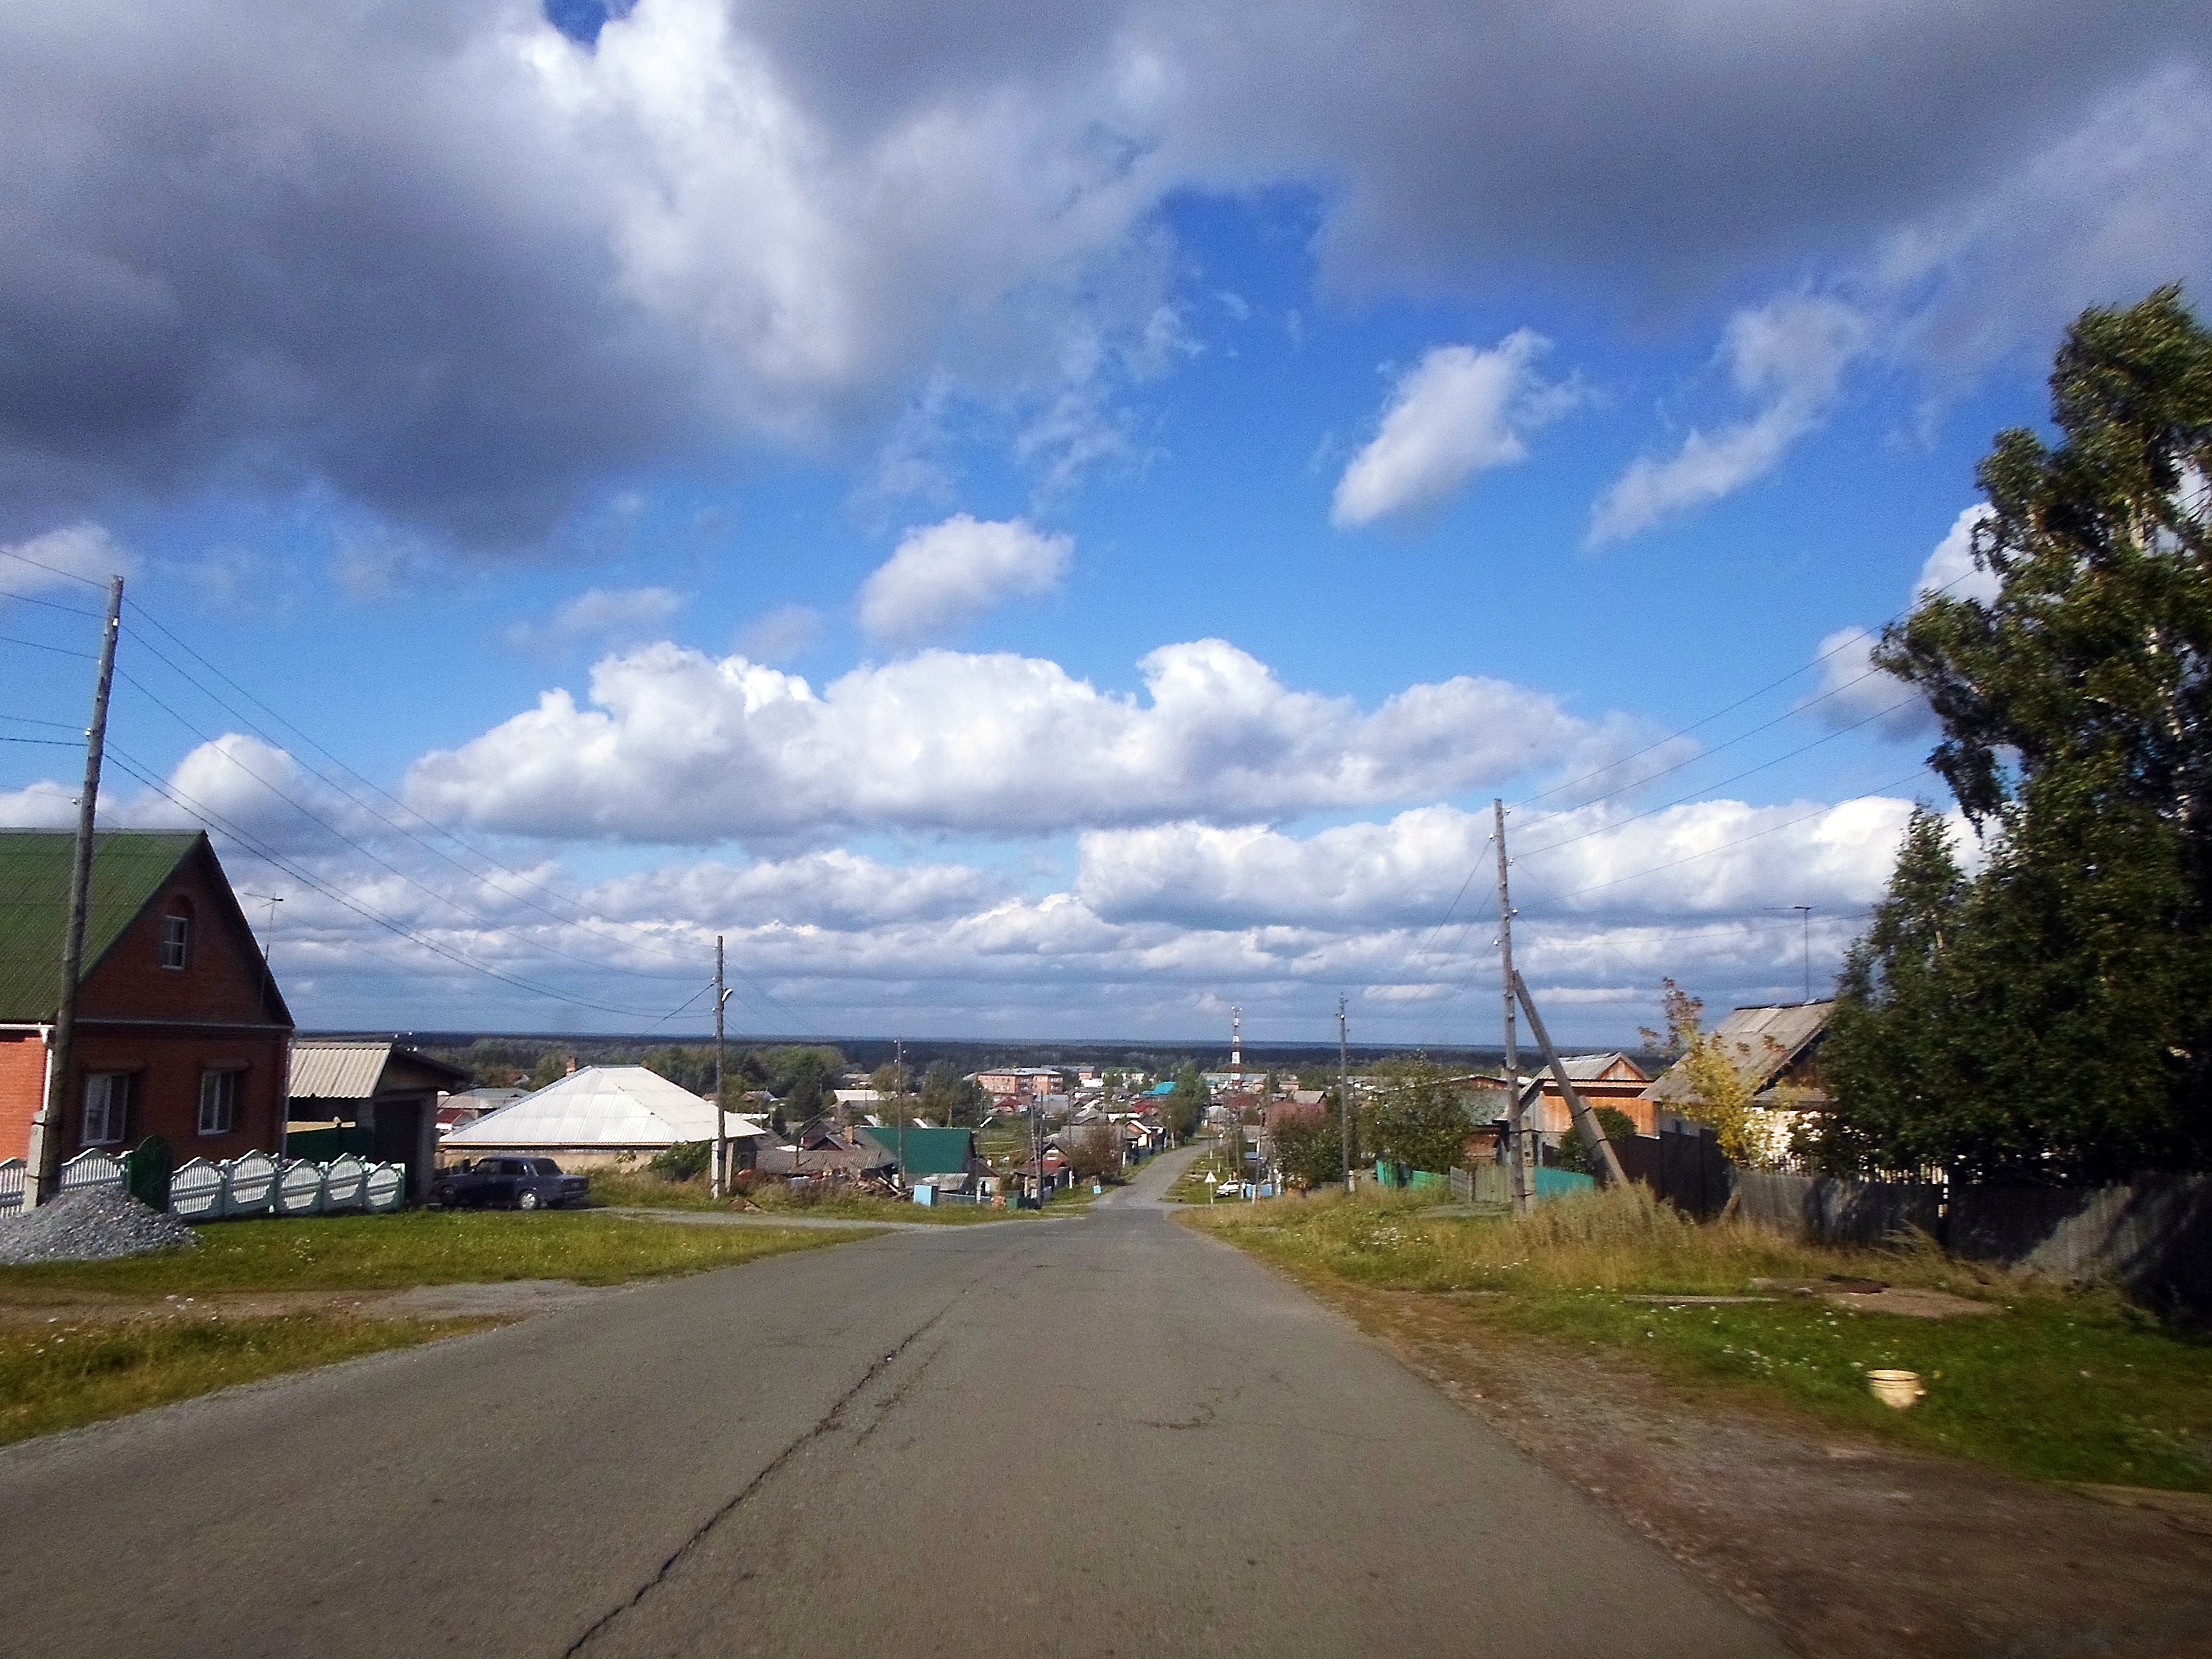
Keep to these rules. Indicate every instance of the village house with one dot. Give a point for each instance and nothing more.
(181, 1030)
(374, 1097)
(604, 1117)
(1014, 1083)
(1775, 1049)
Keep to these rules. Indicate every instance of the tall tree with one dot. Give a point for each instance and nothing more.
(2073, 1038)
(1418, 1118)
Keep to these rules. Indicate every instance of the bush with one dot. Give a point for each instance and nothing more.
(687, 1160)
(1572, 1154)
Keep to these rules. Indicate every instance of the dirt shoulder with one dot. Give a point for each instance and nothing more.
(1852, 1546)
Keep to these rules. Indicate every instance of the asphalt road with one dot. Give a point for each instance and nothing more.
(1105, 1435)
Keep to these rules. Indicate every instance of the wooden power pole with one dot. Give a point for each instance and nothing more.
(1592, 1134)
(1520, 1173)
(721, 1182)
(1344, 1092)
(46, 1135)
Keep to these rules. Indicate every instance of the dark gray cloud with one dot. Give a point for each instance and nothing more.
(456, 268)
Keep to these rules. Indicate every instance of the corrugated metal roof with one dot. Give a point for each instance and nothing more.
(928, 1152)
(128, 866)
(1758, 1042)
(609, 1106)
(337, 1071)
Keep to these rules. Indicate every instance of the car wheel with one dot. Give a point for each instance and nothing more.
(526, 1199)
(443, 1197)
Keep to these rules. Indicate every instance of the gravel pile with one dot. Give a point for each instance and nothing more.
(98, 1224)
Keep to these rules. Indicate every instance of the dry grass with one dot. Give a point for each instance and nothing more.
(1621, 1239)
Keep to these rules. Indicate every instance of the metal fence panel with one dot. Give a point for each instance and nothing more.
(11, 1184)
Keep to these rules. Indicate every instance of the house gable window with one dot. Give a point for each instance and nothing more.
(177, 935)
(219, 1096)
(108, 1102)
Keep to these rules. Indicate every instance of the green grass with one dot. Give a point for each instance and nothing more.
(59, 1375)
(421, 1247)
(2062, 1386)
(651, 1192)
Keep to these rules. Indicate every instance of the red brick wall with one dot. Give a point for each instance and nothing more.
(22, 1075)
(222, 979)
(221, 982)
(169, 1065)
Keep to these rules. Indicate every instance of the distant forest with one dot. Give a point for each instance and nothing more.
(497, 1058)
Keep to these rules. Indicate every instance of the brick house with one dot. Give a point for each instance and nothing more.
(181, 1030)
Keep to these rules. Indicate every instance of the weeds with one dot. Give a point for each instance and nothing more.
(2061, 1385)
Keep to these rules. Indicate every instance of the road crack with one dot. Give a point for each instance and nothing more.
(829, 1422)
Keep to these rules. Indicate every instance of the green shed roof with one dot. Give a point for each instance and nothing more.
(128, 868)
(928, 1152)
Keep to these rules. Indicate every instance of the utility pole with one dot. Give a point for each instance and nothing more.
(721, 1182)
(898, 1099)
(46, 1127)
(1805, 913)
(268, 989)
(1594, 1141)
(1520, 1177)
(1344, 1092)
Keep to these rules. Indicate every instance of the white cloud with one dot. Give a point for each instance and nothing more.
(680, 747)
(836, 890)
(944, 575)
(84, 550)
(779, 636)
(1719, 857)
(1457, 412)
(601, 615)
(1951, 568)
(1792, 352)
(1852, 691)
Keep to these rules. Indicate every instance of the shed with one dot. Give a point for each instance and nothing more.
(923, 1153)
(378, 1087)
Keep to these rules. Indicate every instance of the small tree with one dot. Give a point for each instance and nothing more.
(1418, 1119)
(1184, 1110)
(1570, 1154)
(1718, 1094)
(1093, 1151)
(1308, 1148)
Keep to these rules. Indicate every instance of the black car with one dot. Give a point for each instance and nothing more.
(515, 1183)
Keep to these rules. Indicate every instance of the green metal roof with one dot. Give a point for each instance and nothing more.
(928, 1152)
(128, 868)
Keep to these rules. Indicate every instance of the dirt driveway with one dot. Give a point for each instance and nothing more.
(1854, 1549)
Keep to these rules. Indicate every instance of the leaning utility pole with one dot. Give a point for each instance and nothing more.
(721, 1182)
(1520, 1177)
(46, 1127)
(1344, 1092)
(1594, 1141)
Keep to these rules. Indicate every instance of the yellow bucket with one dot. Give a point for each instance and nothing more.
(1899, 1390)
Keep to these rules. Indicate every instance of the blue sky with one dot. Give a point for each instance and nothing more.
(1039, 523)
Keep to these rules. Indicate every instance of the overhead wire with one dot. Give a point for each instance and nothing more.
(584, 918)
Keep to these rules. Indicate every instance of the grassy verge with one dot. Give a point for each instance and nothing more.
(2070, 1387)
(651, 1192)
(422, 1247)
(60, 1376)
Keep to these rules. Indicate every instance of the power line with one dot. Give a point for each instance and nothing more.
(58, 650)
(584, 918)
(215, 820)
(50, 604)
(51, 569)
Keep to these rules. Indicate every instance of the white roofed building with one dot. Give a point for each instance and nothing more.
(594, 1116)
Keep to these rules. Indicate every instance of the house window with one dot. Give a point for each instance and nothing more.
(219, 1093)
(176, 937)
(107, 1106)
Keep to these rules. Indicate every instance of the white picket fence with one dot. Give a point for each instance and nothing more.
(256, 1184)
